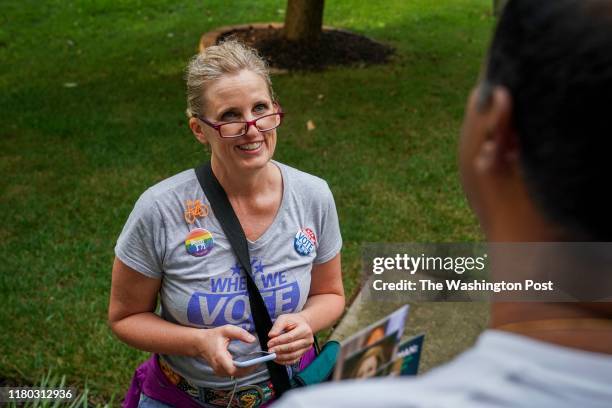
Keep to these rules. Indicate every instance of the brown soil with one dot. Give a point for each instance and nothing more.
(335, 47)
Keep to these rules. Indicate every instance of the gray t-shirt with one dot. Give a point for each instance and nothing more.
(203, 284)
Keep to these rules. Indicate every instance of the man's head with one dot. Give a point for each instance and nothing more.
(537, 140)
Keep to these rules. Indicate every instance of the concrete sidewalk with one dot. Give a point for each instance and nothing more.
(449, 327)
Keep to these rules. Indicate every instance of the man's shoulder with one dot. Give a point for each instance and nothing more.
(502, 369)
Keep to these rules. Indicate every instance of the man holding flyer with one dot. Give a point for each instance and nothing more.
(534, 159)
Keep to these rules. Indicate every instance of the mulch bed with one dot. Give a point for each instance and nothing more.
(334, 47)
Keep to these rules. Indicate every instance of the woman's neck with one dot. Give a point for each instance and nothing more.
(246, 184)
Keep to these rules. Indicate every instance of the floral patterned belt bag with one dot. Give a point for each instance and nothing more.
(318, 365)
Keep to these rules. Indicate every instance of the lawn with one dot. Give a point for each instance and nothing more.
(92, 103)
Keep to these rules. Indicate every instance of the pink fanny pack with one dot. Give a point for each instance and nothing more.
(150, 380)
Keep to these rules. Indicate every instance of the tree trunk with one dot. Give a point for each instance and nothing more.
(303, 20)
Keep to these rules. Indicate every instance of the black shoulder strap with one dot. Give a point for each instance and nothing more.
(224, 212)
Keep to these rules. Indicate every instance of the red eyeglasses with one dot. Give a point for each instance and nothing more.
(263, 123)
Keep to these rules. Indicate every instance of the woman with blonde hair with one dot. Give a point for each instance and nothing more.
(173, 248)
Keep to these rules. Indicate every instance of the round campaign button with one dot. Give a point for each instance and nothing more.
(199, 242)
(305, 241)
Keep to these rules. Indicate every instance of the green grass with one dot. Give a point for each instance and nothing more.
(73, 160)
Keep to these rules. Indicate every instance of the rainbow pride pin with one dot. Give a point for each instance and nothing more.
(199, 242)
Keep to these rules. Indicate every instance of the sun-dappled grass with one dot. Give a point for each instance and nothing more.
(92, 105)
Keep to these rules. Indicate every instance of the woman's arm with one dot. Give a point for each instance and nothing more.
(292, 334)
(326, 301)
(131, 317)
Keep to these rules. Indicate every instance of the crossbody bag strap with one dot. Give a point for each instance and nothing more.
(226, 216)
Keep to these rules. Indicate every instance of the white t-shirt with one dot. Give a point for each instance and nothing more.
(203, 285)
(501, 370)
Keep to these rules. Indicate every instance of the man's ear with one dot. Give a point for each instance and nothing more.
(198, 131)
(499, 151)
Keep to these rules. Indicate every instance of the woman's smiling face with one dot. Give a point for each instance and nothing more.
(243, 96)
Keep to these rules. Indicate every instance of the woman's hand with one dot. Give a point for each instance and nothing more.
(212, 346)
(290, 337)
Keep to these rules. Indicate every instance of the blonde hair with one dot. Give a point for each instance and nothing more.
(228, 57)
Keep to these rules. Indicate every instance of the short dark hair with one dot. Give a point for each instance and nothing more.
(555, 58)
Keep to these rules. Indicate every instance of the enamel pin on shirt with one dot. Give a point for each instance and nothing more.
(305, 241)
(199, 242)
(195, 209)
